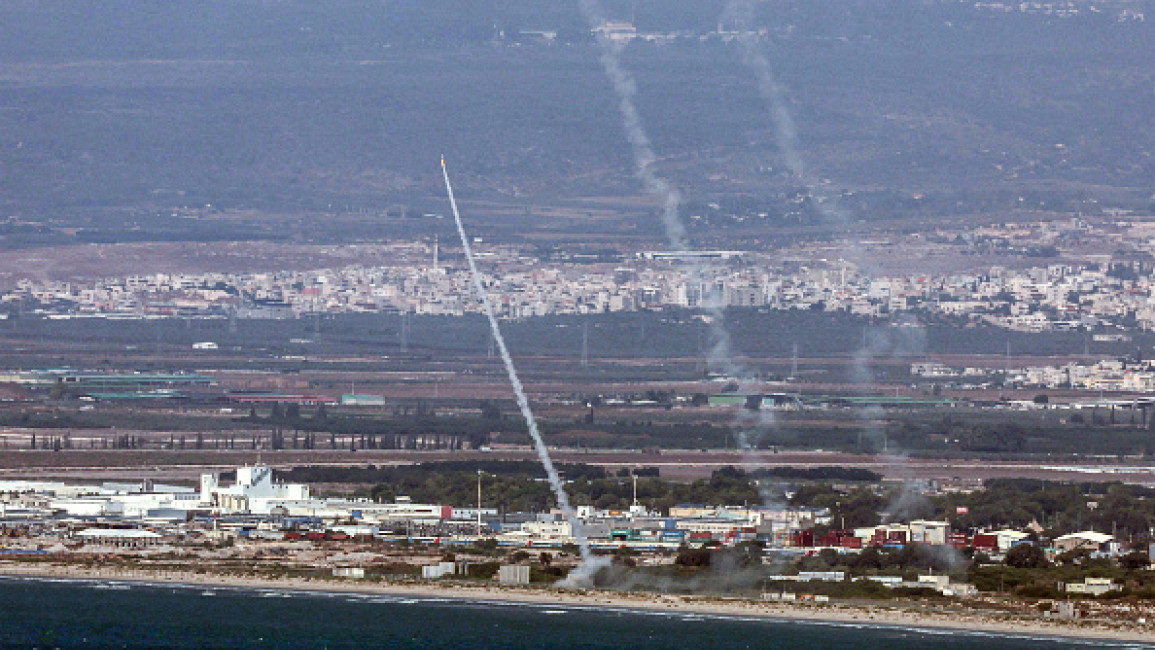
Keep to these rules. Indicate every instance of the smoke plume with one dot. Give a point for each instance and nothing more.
(582, 575)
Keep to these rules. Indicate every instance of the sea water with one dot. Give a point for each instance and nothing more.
(37, 613)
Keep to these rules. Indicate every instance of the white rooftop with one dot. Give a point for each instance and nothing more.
(120, 533)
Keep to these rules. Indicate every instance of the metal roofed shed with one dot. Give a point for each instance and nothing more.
(513, 574)
(361, 399)
(1083, 540)
(119, 536)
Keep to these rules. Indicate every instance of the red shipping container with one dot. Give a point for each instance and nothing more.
(802, 538)
(984, 542)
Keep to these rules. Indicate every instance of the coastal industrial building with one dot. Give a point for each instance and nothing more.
(258, 506)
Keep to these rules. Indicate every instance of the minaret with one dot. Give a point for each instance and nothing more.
(436, 251)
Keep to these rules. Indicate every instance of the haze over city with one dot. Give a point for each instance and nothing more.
(747, 313)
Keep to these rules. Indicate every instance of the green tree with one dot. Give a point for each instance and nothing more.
(693, 558)
(490, 410)
(1026, 556)
(1135, 560)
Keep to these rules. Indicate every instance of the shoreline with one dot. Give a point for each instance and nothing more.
(838, 613)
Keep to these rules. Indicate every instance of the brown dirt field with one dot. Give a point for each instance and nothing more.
(89, 261)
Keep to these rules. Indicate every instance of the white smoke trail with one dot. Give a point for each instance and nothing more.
(644, 156)
(740, 12)
(644, 159)
(781, 118)
(721, 354)
(785, 131)
(583, 574)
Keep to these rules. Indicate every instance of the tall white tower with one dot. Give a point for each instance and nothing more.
(208, 486)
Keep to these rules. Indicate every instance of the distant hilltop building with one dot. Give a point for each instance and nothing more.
(689, 255)
(617, 31)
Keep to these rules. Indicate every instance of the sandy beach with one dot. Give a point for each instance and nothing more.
(952, 616)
